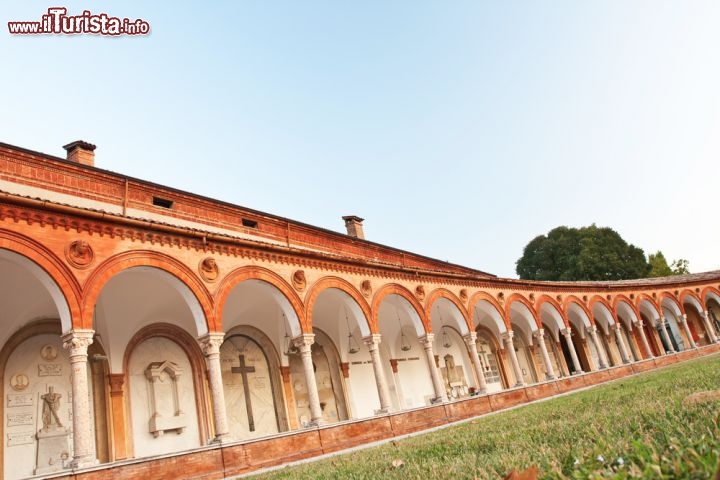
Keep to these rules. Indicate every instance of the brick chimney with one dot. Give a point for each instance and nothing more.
(354, 226)
(81, 152)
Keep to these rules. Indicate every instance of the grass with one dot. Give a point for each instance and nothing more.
(637, 427)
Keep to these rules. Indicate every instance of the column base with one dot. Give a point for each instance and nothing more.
(550, 377)
(86, 461)
(382, 411)
(437, 401)
(219, 439)
(315, 423)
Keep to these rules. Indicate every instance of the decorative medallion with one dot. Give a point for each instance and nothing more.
(366, 288)
(501, 298)
(532, 298)
(79, 254)
(19, 382)
(632, 297)
(48, 352)
(208, 269)
(585, 299)
(420, 292)
(298, 280)
(559, 298)
(463, 295)
(654, 294)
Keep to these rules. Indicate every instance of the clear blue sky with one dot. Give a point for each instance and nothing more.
(458, 130)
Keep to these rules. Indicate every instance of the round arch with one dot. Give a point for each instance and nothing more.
(711, 292)
(561, 320)
(667, 297)
(179, 276)
(399, 290)
(360, 307)
(691, 298)
(299, 324)
(645, 299)
(517, 298)
(50, 271)
(571, 300)
(439, 293)
(494, 310)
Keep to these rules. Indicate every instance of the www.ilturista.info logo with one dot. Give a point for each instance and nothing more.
(57, 21)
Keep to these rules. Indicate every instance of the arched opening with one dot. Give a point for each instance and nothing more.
(336, 313)
(252, 384)
(400, 326)
(455, 365)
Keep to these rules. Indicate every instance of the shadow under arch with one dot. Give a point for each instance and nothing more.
(299, 323)
(180, 277)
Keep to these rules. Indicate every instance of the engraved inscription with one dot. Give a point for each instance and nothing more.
(50, 370)
(20, 400)
(16, 419)
(20, 438)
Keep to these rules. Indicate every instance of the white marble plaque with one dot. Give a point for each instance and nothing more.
(20, 400)
(50, 370)
(20, 438)
(16, 419)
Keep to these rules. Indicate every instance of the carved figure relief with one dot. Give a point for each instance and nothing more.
(454, 378)
(51, 403)
(79, 254)
(420, 292)
(48, 352)
(298, 280)
(19, 382)
(463, 295)
(366, 288)
(208, 269)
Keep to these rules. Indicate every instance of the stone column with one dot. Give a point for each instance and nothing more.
(600, 351)
(117, 402)
(470, 340)
(304, 343)
(686, 327)
(567, 333)
(438, 386)
(640, 326)
(373, 342)
(77, 343)
(708, 326)
(210, 345)
(510, 346)
(540, 338)
(664, 331)
(621, 343)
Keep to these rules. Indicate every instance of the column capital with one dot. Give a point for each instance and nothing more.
(684, 317)
(566, 331)
(210, 343)
(508, 336)
(470, 337)
(639, 323)
(539, 333)
(427, 339)
(593, 328)
(372, 340)
(77, 342)
(304, 341)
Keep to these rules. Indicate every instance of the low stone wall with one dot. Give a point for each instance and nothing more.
(221, 461)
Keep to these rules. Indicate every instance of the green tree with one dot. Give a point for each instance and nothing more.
(587, 253)
(658, 265)
(680, 267)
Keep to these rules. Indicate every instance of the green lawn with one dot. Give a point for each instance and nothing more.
(637, 427)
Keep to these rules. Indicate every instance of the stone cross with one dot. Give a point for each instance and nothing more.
(244, 370)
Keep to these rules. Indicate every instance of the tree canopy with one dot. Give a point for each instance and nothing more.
(590, 253)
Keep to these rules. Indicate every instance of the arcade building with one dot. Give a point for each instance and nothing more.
(150, 331)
